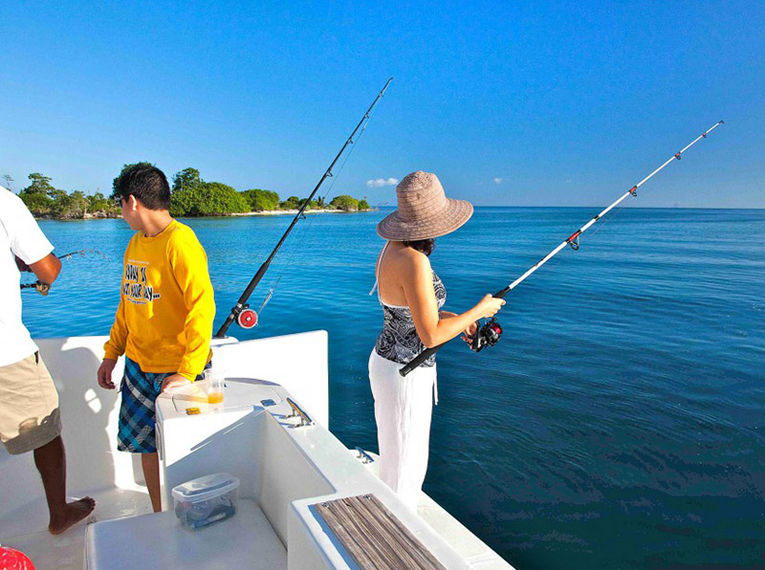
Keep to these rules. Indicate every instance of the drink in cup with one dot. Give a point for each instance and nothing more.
(214, 387)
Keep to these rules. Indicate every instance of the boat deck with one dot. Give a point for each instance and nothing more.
(285, 466)
(26, 528)
(246, 536)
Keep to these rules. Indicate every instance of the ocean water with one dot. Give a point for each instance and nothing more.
(620, 422)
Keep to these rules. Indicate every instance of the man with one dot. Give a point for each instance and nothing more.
(164, 320)
(29, 415)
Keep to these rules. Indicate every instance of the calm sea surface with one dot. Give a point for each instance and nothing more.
(620, 423)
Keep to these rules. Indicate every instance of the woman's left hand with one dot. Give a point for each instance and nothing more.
(468, 333)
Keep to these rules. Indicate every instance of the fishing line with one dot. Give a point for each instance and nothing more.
(489, 333)
(303, 235)
(246, 317)
(44, 288)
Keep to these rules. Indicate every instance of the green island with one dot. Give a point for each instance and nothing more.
(190, 197)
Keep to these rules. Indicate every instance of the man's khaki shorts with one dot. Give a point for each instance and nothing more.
(29, 416)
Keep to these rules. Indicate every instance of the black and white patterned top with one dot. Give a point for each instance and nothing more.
(398, 341)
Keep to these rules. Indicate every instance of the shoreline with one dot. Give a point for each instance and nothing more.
(86, 216)
(102, 216)
(293, 212)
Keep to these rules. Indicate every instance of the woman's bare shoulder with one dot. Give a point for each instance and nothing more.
(409, 256)
(408, 261)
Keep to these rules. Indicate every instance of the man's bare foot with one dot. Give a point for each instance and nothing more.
(74, 513)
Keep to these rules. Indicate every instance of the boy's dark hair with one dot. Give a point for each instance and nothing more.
(426, 246)
(147, 183)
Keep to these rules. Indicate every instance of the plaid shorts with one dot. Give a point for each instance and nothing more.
(136, 427)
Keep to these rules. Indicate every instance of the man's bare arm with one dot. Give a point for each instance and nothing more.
(47, 269)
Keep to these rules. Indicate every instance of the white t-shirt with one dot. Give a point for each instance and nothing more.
(19, 236)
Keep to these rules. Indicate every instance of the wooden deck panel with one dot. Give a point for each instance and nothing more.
(373, 535)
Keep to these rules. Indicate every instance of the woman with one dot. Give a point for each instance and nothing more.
(412, 295)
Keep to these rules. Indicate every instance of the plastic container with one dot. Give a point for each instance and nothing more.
(205, 500)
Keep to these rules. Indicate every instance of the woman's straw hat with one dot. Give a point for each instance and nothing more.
(424, 211)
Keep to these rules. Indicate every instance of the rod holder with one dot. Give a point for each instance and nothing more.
(298, 412)
(364, 456)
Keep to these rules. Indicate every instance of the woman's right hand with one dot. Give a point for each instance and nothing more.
(489, 305)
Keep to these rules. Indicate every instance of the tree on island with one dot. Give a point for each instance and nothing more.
(345, 202)
(38, 196)
(43, 199)
(190, 196)
(99, 203)
(186, 179)
(291, 203)
(261, 200)
(312, 205)
(208, 199)
(74, 205)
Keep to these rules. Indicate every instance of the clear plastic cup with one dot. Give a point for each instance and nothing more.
(213, 387)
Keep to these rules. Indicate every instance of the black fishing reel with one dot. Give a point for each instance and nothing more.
(488, 334)
(39, 286)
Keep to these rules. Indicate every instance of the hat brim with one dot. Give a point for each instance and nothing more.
(457, 212)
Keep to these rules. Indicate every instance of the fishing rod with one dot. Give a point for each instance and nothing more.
(241, 312)
(489, 333)
(44, 288)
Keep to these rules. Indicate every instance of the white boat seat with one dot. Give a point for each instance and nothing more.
(157, 541)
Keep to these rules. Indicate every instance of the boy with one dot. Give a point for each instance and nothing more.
(164, 320)
(29, 414)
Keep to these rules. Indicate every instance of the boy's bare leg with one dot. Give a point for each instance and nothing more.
(150, 464)
(50, 460)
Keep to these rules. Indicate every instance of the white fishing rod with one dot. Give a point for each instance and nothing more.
(488, 334)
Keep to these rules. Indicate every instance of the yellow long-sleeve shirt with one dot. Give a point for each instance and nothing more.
(165, 316)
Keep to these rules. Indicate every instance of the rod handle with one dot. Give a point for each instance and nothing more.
(501, 293)
(419, 359)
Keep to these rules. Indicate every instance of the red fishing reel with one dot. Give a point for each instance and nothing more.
(247, 318)
(487, 334)
(11, 559)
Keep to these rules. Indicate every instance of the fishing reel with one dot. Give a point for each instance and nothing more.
(39, 286)
(247, 318)
(488, 334)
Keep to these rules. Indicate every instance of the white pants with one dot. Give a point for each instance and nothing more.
(403, 408)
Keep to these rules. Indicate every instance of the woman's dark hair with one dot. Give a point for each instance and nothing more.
(147, 183)
(426, 246)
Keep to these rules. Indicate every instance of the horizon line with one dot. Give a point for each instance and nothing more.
(601, 206)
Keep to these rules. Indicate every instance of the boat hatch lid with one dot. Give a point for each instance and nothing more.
(373, 535)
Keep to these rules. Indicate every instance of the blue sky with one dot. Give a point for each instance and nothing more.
(509, 103)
